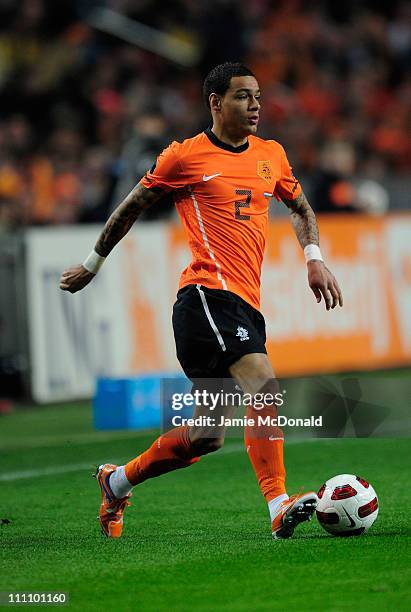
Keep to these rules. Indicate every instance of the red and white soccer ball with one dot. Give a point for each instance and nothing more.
(347, 505)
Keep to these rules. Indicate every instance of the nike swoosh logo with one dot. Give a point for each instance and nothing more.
(352, 524)
(210, 176)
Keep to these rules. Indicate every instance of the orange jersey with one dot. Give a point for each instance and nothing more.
(222, 195)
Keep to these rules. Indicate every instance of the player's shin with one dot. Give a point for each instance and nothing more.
(171, 451)
(264, 443)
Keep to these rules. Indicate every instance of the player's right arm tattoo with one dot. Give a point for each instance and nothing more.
(303, 220)
(123, 217)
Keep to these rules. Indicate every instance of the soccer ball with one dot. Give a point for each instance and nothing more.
(347, 505)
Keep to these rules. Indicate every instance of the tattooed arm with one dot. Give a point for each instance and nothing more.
(303, 220)
(123, 217)
(139, 199)
(320, 279)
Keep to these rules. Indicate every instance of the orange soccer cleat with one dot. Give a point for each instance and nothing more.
(112, 508)
(292, 512)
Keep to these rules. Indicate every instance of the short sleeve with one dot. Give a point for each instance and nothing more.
(287, 187)
(167, 173)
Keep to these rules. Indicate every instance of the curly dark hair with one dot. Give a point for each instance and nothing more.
(218, 79)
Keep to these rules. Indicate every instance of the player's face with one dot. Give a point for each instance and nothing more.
(240, 105)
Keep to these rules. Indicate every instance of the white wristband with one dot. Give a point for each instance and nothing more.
(93, 262)
(312, 251)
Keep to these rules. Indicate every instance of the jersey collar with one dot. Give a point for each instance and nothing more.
(223, 145)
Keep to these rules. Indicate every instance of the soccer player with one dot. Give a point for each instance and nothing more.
(222, 181)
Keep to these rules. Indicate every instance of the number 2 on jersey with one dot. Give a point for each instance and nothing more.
(242, 204)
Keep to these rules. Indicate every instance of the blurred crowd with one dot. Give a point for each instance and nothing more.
(84, 113)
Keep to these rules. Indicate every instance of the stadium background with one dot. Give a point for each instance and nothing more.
(89, 96)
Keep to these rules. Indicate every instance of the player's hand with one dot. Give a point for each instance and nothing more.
(75, 278)
(323, 284)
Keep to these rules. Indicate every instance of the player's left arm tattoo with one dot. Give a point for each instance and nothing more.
(320, 279)
(303, 220)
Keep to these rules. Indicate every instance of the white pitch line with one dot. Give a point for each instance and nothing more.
(72, 439)
(48, 471)
(77, 467)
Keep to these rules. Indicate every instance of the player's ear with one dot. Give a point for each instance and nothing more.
(215, 102)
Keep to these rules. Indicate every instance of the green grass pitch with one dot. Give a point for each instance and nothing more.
(195, 539)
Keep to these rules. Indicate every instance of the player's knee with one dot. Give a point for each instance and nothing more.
(271, 387)
(204, 446)
(266, 397)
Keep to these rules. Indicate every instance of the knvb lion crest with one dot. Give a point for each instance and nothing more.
(265, 170)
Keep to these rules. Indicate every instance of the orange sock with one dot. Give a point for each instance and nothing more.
(264, 446)
(171, 451)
